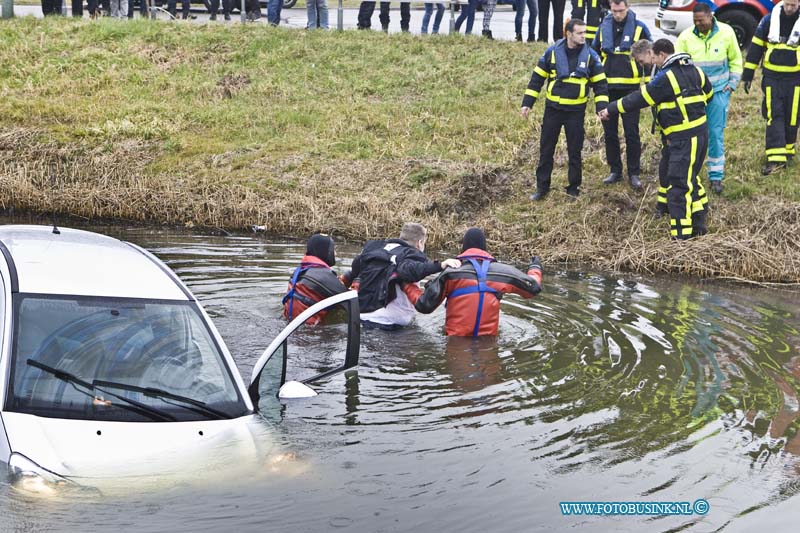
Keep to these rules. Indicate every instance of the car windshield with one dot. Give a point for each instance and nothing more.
(117, 360)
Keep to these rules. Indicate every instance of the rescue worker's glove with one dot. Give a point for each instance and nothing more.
(536, 262)
(746, 86)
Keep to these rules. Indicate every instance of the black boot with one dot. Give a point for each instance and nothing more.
(518, 37)
(612, 178)
(531, 38)
(487, 34)
(635, 182)
(699, 224)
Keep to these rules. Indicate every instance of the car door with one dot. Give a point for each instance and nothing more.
(270, 371)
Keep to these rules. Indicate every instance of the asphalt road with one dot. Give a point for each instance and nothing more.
(502, 22)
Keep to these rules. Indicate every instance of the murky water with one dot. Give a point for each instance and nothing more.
(600, 389)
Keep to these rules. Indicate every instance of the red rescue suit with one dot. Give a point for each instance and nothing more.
(311, 282)
(474, 291)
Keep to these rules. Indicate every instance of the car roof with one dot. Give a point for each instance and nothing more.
(75, 262)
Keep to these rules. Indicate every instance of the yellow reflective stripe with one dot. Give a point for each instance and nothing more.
(685, 125)
(768, 99)
(697, 99)
(789, 149)
(667, 105)
(758, 42)
(781, 68)
(673, 232)
(674, 82)
(567, 101)
(662, 190)
(687, 222)
(795, 106)
(599, 77)
(625, 81)
(637, 33)
(531, 92)
(686, 231)
(601, 98)
(540, 71)
(751, 66)
(575, 81)
(772, 151)
(647, 97)
(619, 106)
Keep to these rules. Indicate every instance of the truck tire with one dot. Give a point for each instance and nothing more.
(743, 24)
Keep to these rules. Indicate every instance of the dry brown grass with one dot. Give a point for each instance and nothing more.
(616, 229)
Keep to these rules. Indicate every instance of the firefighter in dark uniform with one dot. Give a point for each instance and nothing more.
(592, 12)
(778, 35)
(565, 70)
(617, 33)
(679, 92)
(474, 290)
(313, 280)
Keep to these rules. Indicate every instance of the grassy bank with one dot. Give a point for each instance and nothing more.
(349, 133)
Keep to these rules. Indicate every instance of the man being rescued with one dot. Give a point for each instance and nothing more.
(474, 290)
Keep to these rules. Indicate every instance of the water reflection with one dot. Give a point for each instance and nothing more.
(601, 388)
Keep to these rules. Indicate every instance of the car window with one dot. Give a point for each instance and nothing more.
(117, 359)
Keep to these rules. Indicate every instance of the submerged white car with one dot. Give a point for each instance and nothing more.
(110, 366)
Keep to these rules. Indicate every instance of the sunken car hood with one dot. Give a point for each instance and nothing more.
(88, 451)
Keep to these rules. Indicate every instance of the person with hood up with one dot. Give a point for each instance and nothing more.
(474, 290)
(314, 280)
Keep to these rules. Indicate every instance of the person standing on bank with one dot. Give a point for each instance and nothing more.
(778, 35)
(592, 12)
(317, 13)
(571, 66)
(617, 33)
(715, 49)
(474, 290)
(533, 10)
(679, 92)
(426, 18)
(558, 19)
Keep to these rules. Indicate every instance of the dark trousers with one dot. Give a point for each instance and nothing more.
(572, 121)
(633, 144)
(51, 7)
(780, 108)
(405, 15)
(226, 7)
(558, 18)
(171, 7)
(366, 9)
(142, 7)
(468, 14)
(663, 177)
(686, 197)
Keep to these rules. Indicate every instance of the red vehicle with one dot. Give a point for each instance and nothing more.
(743, 16)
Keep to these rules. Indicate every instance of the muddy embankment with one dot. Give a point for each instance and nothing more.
(607, 228)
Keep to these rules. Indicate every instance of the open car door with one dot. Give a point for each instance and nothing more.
(277, 353)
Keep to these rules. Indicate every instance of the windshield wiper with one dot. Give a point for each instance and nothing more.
(153, 413)
(162, 394)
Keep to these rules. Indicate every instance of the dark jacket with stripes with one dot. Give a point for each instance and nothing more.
(679, 92)
(781, 60)
(592, 13)
(622, 71)
(566, 88)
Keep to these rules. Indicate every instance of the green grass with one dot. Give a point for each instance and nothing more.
(379, 119)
